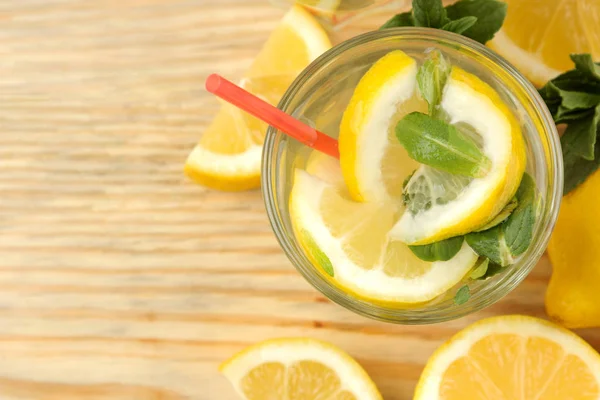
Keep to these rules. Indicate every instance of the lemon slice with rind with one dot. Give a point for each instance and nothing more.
(538, 36)
(374, 163)
(468, 100)
(228, 154)
(298, 368)
(349, 241)
(512, 357)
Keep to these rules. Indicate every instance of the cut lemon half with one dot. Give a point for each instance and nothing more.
(349, 241)
(298, 368)
(469, 101)
(512, 357)
(538, 36)
(374, 163)
(229, 152)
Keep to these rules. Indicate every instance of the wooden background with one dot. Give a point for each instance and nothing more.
(120, 279)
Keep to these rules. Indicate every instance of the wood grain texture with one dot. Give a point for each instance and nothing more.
(119, 278)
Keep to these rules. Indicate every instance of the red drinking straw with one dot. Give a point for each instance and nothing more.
(262, 110)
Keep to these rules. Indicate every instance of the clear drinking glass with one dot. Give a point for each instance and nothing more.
(319, 96)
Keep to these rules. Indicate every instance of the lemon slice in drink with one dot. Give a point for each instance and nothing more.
(349, 241)
(298, 368)
(374, 163)
(448, 205)
(229, 152)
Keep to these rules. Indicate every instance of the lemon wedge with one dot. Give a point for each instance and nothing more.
(468, 100)
(512, 357)
(374, 163)
(538, 36)
(349, 241)
(298, 368)
(228, 154)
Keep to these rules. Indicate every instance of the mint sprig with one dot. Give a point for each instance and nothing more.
(573, 98)
(476, 19)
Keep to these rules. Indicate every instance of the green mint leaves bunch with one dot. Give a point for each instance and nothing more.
(475, 19)
(573, 98)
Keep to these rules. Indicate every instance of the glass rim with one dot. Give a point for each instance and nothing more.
(480, 299)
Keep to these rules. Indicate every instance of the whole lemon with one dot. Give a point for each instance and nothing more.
(573, 296)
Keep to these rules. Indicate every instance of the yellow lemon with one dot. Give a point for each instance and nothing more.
(349, 241)
(374, 163)
(512, 357)
(573, 296)
(229, 152)
(298, 368)
(538, 35)
(470, 101)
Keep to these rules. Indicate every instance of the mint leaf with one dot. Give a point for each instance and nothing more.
(480, 269)
(441, 145)
(563, 115)
(578, 100)
(317, 255)
(579, 138)
(585, 64)
(429, 13)
(462, 295)
(443, 250)
(399, 20)
(491, 244)
(432, 77)
(518, 228)
(502, 215)
(460, 25)
(573, 80)
(577, 169)
(490, 16)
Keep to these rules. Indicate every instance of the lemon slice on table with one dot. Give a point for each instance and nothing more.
(298, 368)
(349, 241)
(229, 152)
(538, 36)
(512, 357)
(374, 163)
(451, 206)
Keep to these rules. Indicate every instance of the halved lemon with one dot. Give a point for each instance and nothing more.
(512, 357)
(349, 241)
(374, 163)
(298, 368)
(229, 152)
(469, 101)
(538, 36)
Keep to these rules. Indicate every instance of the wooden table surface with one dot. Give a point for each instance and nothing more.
(119, 278)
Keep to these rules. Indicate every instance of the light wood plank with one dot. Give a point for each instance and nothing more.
(120, 279)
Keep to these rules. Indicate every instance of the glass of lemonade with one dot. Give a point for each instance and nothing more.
(398, 229)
